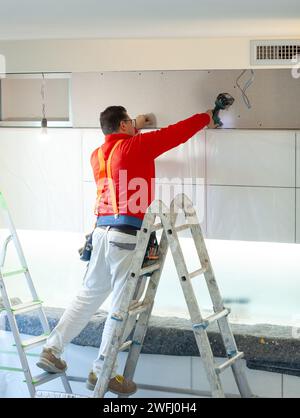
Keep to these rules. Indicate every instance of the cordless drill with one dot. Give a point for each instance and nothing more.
(223, 101)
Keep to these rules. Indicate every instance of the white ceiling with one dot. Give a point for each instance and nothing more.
(49, 19)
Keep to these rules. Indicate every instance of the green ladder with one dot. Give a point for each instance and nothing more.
(15, 309)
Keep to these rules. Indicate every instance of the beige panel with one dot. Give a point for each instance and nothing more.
(21, 99)
(175, 95)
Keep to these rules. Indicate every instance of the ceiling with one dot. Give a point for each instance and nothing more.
(67, 19)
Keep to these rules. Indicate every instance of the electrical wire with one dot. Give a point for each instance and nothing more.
(246, 86)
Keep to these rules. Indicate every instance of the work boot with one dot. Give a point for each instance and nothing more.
(50, 363)
(118, 384)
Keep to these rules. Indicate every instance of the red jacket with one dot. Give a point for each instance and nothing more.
(133, 169)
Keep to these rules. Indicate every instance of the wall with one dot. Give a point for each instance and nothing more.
(252, 180)
(174, 95)
(170, 95)
(129, 54)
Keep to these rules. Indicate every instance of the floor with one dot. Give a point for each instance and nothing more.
(169, 371)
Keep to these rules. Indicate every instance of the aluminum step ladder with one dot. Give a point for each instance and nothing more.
(137, 314)
(15, 309)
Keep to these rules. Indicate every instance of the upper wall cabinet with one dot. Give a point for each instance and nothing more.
(27, 98)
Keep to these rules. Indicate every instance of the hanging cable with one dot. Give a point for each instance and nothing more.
(246, 86)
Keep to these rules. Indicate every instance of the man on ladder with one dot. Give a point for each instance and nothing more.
(122, 165)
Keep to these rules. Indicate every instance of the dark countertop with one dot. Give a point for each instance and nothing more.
(266, 347)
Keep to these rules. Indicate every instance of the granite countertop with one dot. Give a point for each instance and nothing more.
(266, 347)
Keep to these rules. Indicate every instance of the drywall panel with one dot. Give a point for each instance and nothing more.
(297, 159)
(41, 178)
(251, 213)
(187, 161)
(250, 158)
(175, 95)
(91, 139)
(89, 200)
(298, 215)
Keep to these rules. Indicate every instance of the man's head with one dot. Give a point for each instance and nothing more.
(114, 119)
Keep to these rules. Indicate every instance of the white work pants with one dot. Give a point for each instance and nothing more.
(107, 272)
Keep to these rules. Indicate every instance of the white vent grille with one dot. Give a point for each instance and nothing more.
(272, 52)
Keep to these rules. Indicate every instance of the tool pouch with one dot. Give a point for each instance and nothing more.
(86, 251)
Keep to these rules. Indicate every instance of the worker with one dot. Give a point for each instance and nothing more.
(120, 210)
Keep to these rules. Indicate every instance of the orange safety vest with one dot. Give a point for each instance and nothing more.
(106, 174)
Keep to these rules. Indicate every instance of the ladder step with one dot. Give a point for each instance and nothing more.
(11, 369)
(212, 318)
(14, 272)
(229, 363)
(182, 227)
(197, 272)
(45, 377)
(26, 307)
(149, 269)
(139, 309)
(34, 342)
(126, 345)
(157, 227)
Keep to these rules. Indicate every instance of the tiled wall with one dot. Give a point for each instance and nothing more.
(252, 180)
(251, 185)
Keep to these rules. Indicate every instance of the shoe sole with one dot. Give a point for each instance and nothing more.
(91, 387)
(49, 367)
(121, 394)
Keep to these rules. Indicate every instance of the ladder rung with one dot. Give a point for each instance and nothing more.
(11, 369)
(182, 227)
(34, 342)
(138, 310)
(26, 307)
(215, 317)
(229, 362)
(197, 272)
(126, 345)
(149, 269)
(45, 377)
(14, 273)
(157, 227)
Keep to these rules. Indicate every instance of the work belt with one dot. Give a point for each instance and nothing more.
(123, 229)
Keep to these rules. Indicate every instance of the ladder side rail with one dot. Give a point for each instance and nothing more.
(120, 325)
(11, 317)
(192, 304)
(143, 320)
(183, 202)
(16, 241)
(15, 330)
(4, 251)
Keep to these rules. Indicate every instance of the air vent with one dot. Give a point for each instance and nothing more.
(272, 52)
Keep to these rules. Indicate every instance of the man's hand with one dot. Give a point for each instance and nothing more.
(211, 124)
(142, 121)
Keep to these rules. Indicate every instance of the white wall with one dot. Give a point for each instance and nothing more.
(41, 179)
(130, 54)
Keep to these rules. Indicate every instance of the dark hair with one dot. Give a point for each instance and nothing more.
(111, 117)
